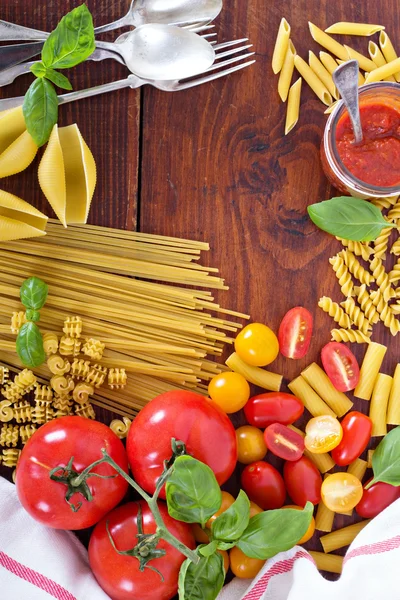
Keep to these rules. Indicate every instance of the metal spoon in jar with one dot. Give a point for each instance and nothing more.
(345, 77)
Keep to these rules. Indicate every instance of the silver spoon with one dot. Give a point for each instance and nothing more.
(345, 78)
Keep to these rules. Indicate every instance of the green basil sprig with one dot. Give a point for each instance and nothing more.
(386, 460)
(204, 580)
(349, 218)
(33, 294)
(30, 345)
(232, 523)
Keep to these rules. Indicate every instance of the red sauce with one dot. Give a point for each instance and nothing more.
(377, 159)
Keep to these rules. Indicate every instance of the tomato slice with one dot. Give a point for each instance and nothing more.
(341, 492)
(284, 442)
(357, 430)
(341, 366)
(295, 333)
(323, 434)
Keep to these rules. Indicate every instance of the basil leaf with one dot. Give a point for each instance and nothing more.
(209, 549)
(230, 525)
(30, 345)
(274, 531)
(386, 460)
(32, 315)
(33, 293)
(193, 494)
(58, 79)
(38, 69)
(40, 110)
(226, 545)
(203, 581)
(349, 218)
(72, 42)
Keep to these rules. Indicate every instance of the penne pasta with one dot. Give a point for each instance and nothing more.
(286, 73)
(326, 41)
(369, 370)
(328, 61)
(332, 107)
(313, 403)
(391, 68)
(313, 81)
(323, 74)
(293, 106)
(342, 537)
(323, 462)
(379, 404)
(344, 28)
(370, 454)
(393, 413)
(281, 46)
(364, 62)
(378, 58)
(320, 382)
(358, 468)
(324, 517)
(388, 51)
(260, 377)
(332, 563)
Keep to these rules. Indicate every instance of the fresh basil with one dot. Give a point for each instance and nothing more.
(38, 69)
(40, 110)
(226, 545)
(72, 42)
(33, 293)
(58, 79)
(274, 531)
(32, 315)
(386, 460)
(349, 218)
(209, 549)
(231, 524)
(202, 581)
(30, 345)
(193, 493)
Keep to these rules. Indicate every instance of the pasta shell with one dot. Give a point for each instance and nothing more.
(17, 147)
(18, 219)
(67, 175)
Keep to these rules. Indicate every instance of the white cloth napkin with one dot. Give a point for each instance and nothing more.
(38, 563)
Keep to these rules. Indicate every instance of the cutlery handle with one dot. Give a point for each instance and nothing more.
(14, 32)
(125, 21)
(18, 53)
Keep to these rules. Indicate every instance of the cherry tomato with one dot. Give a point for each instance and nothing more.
(227, 501)
(341, 366)
(295, 333)
(254, 509)
(257, 345)
(207, 432)
(357, 430)
(118, 574)
(251, 444)
(243, 566)
(273, 407)
(376, 499)
(303, 481)
(311, 529)
(341, 492)
(230, 391)
(323, 434)
(225, 557)
(54, 444)
(202, 536)
(264, 485)
(284, 442)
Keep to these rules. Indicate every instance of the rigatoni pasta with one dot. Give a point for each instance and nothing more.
(342, 537)
(261, 377)
(393, 412)
(320, 382)
(324, 517)
(379, 404)
(358, 468)
(281, 45)
(313, 403)
(369, 370)
(332, 563)
(293, 106)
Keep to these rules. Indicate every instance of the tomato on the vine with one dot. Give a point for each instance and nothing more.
(303, 481)
(273, 407)
(230, 391)
(378, 497)
(243, 566)
(251, 444)
(118, 574)
(341, 492)
(295, 332)
(257, 345)
(284, 442)
(264, 485)
(341, 366)
(323, 434)
(357, 429)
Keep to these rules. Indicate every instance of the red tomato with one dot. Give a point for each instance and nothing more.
(341, 366)
(119, 575)
(295, 333)
(54, 444)
(273, 407)
(284, 442)
(303, 481)
(264, 485)
(356, 435)
(206, 430)
(376, 499)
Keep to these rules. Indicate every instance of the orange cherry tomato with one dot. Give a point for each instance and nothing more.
(341, 492)
(230, 391)
(257, 345)
(227, 501)
(323, 434)
(310, 531)
(243, 566)
(254, 509)
(202, 536)
(251, 444)
(225, 557)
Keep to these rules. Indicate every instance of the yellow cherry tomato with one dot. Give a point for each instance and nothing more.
(202, 536)
(225, 557)
(227, 501)
(251, 444)
(341, 492)
(243, 566)
(230, 391)
(257, 345)
(323, 434)
(254, 509)
(311, 528)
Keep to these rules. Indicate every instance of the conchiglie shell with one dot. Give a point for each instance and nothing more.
(52, 176)
(17, 148)
(12, 125)
(18, 219)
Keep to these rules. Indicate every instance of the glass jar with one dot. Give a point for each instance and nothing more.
(382, 92)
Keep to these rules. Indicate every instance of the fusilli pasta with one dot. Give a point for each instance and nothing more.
(358, 248)
(334, 310)
(350, 335)
(356, 268)
(356, 315)
(382, 279)
(343, 275)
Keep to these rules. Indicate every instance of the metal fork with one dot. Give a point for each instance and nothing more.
(132, 81)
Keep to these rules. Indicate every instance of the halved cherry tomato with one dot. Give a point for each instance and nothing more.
(230, 391)
(273, 407)
(376, 499)
(254, 509)
(264, 485)
(323, 434)
(251, 444)
(303, 481)
(257, 345)
(356, 435)
(310, 531)
(341, 492)
(284, 442)
(295, 333)
(341, 366)
(227, 501)
(243, 566)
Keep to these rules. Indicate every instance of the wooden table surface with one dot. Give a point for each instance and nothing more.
(212, 163)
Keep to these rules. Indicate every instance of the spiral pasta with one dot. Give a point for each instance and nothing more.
(117, 378)
(394, 214)
(358, 248)
(382, 279)
(349, 335)
(343, 275)
(4, 375)
(58, 365)
(381, 243)
(395, 249)
(23, 412)
(357, 316)
(9, 435)
(73, 327)
(26, 432)
(382, 203)
(121, 428)
(62, 385)
(356, 268)
(10, 456)
(80, 368)
(367, 306)
(385, 312)
(93, 348)
(6, 412)
(335, 311)
(50, 343)
(69, 346)
(96, 376)
(82, 392)
(85, 410)
(17, 320)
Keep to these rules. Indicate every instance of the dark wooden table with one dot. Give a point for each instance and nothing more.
(212, 163)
